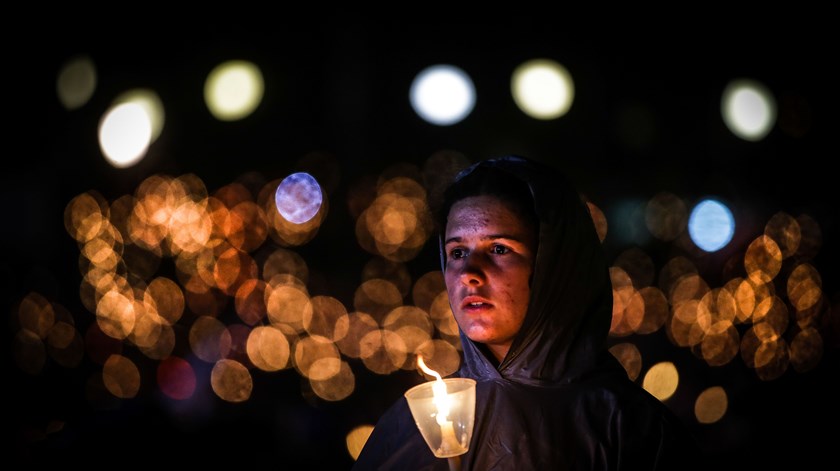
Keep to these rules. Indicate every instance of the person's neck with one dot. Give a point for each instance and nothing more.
(497, 353)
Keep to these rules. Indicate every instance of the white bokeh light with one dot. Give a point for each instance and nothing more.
(711, 225)
(151, 102)
(542, 89)
(748, 109)
(125, 133)
(233, 90)
(298, 197)
(442, 94)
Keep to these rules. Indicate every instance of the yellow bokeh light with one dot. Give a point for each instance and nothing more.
(288, 305)
(151, 103)
(661, 380)
(356, 440)
(359, 325)
(656, 310)
(599, 220)
(542, 88)
(268, 348)
(327, 318)
(336, 387)
(438, 355)
(317, 358)
(711, 405)
(382, 351)
(231, 381)
(427, 288)
(121, 377)
(233, 90)
(785, 231)
(630, 358)
(763, 259)
(804, 286)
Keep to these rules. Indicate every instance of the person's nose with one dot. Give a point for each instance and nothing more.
(473, 271)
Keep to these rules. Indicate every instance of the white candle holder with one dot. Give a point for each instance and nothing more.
(444, 415)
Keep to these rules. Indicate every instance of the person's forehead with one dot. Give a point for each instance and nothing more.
(483, 213)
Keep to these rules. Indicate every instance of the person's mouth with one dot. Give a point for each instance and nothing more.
(475, 304)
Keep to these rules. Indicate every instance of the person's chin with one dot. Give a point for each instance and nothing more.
(479, 335)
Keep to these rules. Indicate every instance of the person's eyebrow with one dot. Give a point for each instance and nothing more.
(487, 237)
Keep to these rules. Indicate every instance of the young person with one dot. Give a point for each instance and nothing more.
(529, 286)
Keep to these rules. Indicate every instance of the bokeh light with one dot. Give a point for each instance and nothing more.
(176, 378)
(231, 381)
(442, 94)
(711, 225)
(233, 90)
(542, 88)
(76, 82)
(630, 358)
(661, 380)
(357, 438)
(121, 376)
(748, 109)
(151, 103)
(298, 197)
(711, 405)
(125, 133)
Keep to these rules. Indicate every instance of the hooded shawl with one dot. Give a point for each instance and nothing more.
(559, 400)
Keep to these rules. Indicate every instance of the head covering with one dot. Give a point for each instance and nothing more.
(570, 309)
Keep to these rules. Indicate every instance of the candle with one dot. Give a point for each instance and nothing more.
(449, 443)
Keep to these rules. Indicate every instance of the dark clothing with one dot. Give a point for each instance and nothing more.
(558, 400)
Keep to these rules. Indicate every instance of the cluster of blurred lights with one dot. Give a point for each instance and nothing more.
(218, 243)
(442, 94)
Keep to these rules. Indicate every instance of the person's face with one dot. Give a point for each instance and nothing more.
(489, 259)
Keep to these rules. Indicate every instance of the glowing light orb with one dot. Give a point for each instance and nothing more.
(76, 82)
(748, 109)
(542, 89)
(442, 94)
(233, 90)
(125, 133)
(711, 225)
(151, 102)
(298, 197)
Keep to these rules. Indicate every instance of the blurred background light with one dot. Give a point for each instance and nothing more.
(442, 94)
(711, 225)
(151, 103)
(125, 133)
(76, 82)
(233, 90)
(542, 89)
(298, 197)
(748, 108)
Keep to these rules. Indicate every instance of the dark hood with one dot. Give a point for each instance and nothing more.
(570, 310)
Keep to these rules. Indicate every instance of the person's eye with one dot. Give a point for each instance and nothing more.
(500, 249)
(456, 253)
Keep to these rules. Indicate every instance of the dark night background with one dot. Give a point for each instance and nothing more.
(646, 118)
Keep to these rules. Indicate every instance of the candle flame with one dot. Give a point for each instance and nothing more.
(439, 389)
(426, 369)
